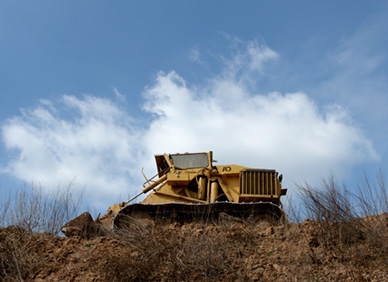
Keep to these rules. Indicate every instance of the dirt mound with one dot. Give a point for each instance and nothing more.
(222, 251)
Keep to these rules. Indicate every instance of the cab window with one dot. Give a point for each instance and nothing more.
(185, 161)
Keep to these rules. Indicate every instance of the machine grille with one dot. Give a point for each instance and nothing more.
(258, 182)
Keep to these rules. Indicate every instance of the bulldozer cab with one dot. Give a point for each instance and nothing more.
(183, 161)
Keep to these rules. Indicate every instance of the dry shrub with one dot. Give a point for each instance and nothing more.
(27, 213)
(167, 252)
(344, 221)
(292, 207)
(37, 211)
(372, 200)
(332, 207)
(4, 207)
(372, 197)
(18, 259)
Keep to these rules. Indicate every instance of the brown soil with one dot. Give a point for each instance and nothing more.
(223, 251)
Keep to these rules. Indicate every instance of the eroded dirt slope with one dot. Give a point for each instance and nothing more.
(222, 251)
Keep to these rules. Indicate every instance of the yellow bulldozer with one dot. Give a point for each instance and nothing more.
(189, 187)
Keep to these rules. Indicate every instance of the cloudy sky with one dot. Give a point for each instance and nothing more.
(91, 90)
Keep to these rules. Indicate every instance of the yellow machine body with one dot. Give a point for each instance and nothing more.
(192, 178)
(189, 185)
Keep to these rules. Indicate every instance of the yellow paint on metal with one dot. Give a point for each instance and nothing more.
(233, 183)
(214, 192)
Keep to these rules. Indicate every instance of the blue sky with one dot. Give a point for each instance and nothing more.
(91, 90)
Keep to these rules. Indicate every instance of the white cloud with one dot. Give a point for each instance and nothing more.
(287, 132)
(119, 96)
(95, 144)
(101, 144)
(259, 55)
(195, 55)
(247, 62)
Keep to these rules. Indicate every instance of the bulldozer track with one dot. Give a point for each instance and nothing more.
(188, 212)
